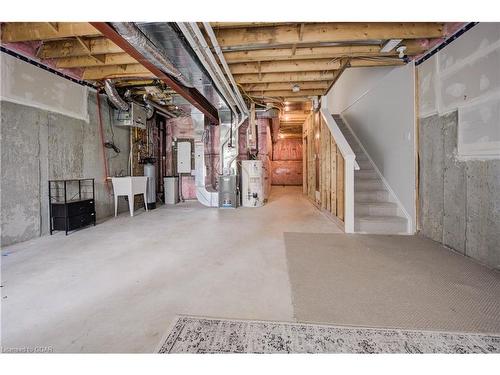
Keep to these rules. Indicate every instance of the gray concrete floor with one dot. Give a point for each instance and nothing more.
(117, 287)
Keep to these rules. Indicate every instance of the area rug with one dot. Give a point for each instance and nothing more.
(206, 335)
(407, 282)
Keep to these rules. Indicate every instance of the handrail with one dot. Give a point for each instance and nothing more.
(343, 145)
(349, 167)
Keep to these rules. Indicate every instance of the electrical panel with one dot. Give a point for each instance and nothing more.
(184, 157)
(134, 117)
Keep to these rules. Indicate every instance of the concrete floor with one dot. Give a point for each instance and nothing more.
(117, 287)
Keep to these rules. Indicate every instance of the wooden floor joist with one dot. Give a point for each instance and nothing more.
(234, 57)
(113, 71)
(72, 48)
(328, 32)
(28, 31)
(285, 77)
(285, 86)
(85, 61)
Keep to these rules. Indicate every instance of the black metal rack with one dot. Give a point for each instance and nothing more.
(71, 204)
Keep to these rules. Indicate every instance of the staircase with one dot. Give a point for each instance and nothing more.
(374, 211)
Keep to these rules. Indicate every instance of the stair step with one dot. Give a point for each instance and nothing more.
(368, 184)
(380, 224)
(371, 196)
(365, 164)
(364, 173)
(375, 209)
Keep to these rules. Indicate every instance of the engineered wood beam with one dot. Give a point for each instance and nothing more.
(288, 93)
(285, 86)
(285, 77)
(73, 47)
(26, 31)
(284, 66)
(114, 71)
(328, 32)
(232, 57)
(232, 25)
(84, 61)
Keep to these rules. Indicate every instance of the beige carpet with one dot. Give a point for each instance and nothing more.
(390, 281)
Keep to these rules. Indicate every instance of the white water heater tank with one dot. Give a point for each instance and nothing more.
(252, 183)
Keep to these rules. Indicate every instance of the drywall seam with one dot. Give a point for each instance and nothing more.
(445, 73)
(409, 225)
(48, 108)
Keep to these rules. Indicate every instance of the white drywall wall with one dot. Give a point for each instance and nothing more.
(352, 85)
(465, 75)
(383, 118)
(24, 83)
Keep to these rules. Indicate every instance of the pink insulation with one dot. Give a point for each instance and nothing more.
(287, 172)
(287, 162)
(188, 187)
(287, 149)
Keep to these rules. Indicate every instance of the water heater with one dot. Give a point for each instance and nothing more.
(252, 183)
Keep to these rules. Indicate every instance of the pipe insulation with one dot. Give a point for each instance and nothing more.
(114, 97)
(134, 36)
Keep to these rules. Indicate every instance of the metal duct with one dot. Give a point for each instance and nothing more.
(133, 35)
(118, 102)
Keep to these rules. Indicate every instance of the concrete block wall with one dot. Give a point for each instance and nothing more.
(459, 199)
(38, 145)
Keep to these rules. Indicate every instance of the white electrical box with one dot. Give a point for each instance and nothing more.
(183, 157)
(134, 117)
(252, 183)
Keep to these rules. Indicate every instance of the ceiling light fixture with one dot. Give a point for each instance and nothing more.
(295, 88)
(390, 45)
(401, 51)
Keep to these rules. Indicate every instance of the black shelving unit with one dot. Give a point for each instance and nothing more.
(71, 204)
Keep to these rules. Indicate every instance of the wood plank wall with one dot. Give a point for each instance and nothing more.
(329, 196)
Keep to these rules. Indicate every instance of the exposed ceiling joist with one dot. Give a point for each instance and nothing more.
(285, 77)
(284, 66)
(72, 47)
(85, 61)
(285, 86)
(232, 57)
(113, 71)
(289, 93)
(328, 32)
(28, 31)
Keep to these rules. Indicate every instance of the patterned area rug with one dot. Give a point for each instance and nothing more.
(205, 335)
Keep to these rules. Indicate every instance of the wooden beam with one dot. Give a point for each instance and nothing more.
(54, 26)
(284, 66)
(285, 77)
(285, 86)
(328, 32)
(73, 47)
(288, 93)
(26, 31)
(232, 25)
(232, 57)
(114, 71)
(84, 61)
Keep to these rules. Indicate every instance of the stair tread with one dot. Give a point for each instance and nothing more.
(391, 218)
(383, 204)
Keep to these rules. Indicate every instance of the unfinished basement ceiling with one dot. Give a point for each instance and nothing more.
(268, 59)
(272, 63)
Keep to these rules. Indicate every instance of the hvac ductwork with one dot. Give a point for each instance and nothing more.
(114, 98)
(134, 36)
